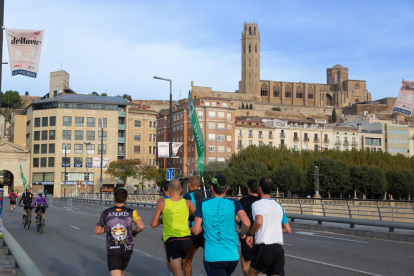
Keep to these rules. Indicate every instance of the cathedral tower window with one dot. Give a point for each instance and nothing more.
(250, 48)
(263, 91)
(288, 91)
(276, 91)
(299, 93)
(250, 30)
(310, 93)
(254, 30)
(255, 48)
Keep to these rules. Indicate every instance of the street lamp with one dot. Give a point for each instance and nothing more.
(100, 180)
(64, 183)
(170, 138)
(87, 171)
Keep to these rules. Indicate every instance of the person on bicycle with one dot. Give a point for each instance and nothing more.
(41, 202)
(27, 198)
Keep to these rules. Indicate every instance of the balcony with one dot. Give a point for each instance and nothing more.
(346, 143)
(295, 139)
(306, 139)
(240, 135)
(270, 136)
(282, 135)
(121, 153)
(282, 146)
(240, 146)
(326, 141)
(354, 144)
(316, 140)
(338, 143)
(121, 140)
(250, 135)
(121, 114)
(261, 136)
(121, 127)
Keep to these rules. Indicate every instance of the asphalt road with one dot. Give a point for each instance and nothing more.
(69, 247)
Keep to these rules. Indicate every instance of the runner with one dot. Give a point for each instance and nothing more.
(216, 216)
(117, 222)
(13, 197)
(176, 234)
(270, 222)
(246, 202)
(166, 195)
(194, 195)
(27, 198)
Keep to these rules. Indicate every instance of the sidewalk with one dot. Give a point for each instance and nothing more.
(6, 262)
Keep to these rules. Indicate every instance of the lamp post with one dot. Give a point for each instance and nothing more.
(64, 181)
(87, 171)
(100, 179)
(170, 137)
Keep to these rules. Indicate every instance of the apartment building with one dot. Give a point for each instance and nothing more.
(345, 138)
(217, 124)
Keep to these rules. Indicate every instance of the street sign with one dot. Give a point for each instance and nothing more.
(170, 174)
(79, 186)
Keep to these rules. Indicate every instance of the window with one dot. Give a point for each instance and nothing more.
(149, 149)
(90, 149)
(43, 162)
(228, 138)
(288, 91)
(28, 123)
(181, 126)
(51, 148)
(27, 135)
(150, 137)
(220, 149)
(250, 134)
(255, 47)
(336, 77)
(201, 125)
(260, 143)
(212, 114)
(35, 162)
(78, 121)
(228, 149)
(264, 90)
(299, 92)
(220, 137)
(51, 163)
(65, 161)
(100, 135)
(78, 148)
(213, 104)
(137, 149)
(211, 136)
(373, 141)
(270, 144)
(90, 135)
(67, 121)
(88, 164)
(276, 91)
(77, 162)
(250, 142)
(90, 122)
(330, 79)
(211, 159)
(137, 137)
(224, 104)
(260, 134)
(200, 115)
(67, 134)
(220, 126)
(37, 122)
(36, 149)
(99, 149)
(44, 134)
(78, 134)
(228, 126)
(211, 125)
(207, 103)
(220, 115)
(211, 148)
(45, 121)
(250, 46)
(68, 147)
(43, 149)
(239, 143)
(100, 122)
(51, 135)
(310, 93)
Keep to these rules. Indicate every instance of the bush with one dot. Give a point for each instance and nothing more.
(276, 109)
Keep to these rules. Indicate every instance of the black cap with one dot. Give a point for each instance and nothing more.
(219, 180)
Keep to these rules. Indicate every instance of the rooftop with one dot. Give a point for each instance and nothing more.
(84, 99)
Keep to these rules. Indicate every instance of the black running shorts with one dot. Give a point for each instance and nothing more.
(178, 247)
(269, 259)
(246, 251)
(12, 202)
(25, 207)
(198, 239)
(118, 262)
(38, 208)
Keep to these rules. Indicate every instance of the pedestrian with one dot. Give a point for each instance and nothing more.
(13, 197)
(215, 216)
(270, 222)
(246, 202)
(175, 232)
(166, 192)
(194, 195)
(117, 222)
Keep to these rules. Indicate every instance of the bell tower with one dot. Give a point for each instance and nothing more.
(250, 59)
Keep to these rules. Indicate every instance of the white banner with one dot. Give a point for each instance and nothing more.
(25, 47)
(96, 162)
(405, 101)
(175, 147)
(163, 149)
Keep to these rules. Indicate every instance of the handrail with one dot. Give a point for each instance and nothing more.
(22, 259)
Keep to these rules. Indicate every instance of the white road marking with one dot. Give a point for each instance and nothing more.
(55, 221)
(74, 227)
(327, 237)
(314, 241)
(332, 265)
(76, 212)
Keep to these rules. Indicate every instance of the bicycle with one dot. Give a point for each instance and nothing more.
(27, 218)
(41, 225)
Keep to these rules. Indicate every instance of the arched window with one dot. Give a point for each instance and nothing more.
(263, 91)
(288, 91)
(310, 92)
(250, 30)
(299, 93)
(255, 48)
(254, 30)
(250, 62)
(276, 91)
(244, 48)
(250, 48)
(250, 87)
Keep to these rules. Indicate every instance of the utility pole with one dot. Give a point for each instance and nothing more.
(316, 175)
(102, 149)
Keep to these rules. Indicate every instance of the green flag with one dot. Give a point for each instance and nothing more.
(21, 171)
(198, 134)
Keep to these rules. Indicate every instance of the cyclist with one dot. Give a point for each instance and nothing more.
(13, 196)
(27, 198)
(41, 202)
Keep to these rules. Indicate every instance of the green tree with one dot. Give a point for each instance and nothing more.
(238, 174)
(333, 115)
(161, 111)
(11, 98)
(148, 173)
(288, 177)
(161, 177)
(242, 105)
(213, 168)
(251, 106)
(401, 182)
(26, 93)
(95, 93)
(104, 94)
(122, 169)
(276, 108)
(127, 97)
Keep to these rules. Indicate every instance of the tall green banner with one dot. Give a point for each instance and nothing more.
(198, 134)
(21, 172)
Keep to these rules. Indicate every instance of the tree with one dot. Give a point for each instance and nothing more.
(333, 115)
(127, 97)
(148, 173)
(161, 177)
(122, 169)
(251, 106)
(242, 105)
(26, 93)
(11, 98)
(95, 93)
(160, 113)
(288, 177)
(276, 108)
(104, 94)
(238, 174)
(213, 168)
(401, 182)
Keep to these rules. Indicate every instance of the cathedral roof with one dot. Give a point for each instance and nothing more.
(338, 66)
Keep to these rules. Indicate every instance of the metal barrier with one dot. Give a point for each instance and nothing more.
(109, 202)
(100, 207)
(23, 260)
(50, 200)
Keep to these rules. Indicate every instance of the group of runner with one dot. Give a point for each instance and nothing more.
(204, 219)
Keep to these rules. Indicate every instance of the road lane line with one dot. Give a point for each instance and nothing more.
(332, 265)
(314, 241)
(55, 221)
(327, 237)
(74, 227)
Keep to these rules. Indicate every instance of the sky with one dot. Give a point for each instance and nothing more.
(118, 46)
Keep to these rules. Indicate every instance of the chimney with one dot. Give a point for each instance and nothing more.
(359, 127)
(141, 103)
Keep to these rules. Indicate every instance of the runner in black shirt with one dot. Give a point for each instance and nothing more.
(246, 202)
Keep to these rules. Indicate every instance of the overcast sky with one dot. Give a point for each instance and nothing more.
(118, 46)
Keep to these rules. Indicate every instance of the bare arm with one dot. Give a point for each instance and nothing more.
(191, 206)
(156, 221)
(99, 230)
(245, 223)
(139, 226)
(258, 222)
(286, 228)
(237, 220)
(197, 228)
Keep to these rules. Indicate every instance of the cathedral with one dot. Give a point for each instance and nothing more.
(339, 90)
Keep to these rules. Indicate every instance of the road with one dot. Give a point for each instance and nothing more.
(69, 247)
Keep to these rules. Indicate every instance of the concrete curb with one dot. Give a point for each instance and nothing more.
(354, 232)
